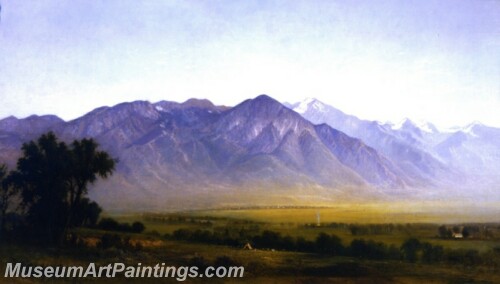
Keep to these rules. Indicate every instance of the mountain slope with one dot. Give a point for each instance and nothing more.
(464, 158)
(420, 168)
(180, 155)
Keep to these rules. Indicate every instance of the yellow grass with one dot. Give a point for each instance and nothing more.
(401, 212)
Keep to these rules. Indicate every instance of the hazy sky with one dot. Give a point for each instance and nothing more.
(385, 60)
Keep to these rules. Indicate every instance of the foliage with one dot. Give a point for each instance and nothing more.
(110, 224)
(7, 193)
(410, 248)
(53, 180)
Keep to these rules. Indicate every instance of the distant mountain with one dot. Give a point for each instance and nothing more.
(430, 157)
(14, 131)
(475, 149)
(198, 154)
(402, 147)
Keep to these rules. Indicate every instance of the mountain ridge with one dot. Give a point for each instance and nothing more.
(195, 154)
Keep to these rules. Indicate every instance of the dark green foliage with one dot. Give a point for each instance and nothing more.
(7, 193)
(329, 244)
(410, 249)
(467, 231)
(86, 213)
(372, 250)
(444, 232)
(268, 239)
(41, 175)
(371, 229)
(471, 231)
(304, 245)
(110, 224)
(86, 164)
(464, 257)
(52, 178)
(432, 254)
(138, 227)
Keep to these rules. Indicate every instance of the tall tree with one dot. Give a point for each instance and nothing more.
(87, 164)
(41, 175)
(53, 179)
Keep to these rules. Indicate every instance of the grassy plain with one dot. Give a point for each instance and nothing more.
(424, 218)
(277, 266)
(261, 266)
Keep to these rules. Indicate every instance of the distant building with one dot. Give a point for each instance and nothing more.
(457, 236)
(247, 246)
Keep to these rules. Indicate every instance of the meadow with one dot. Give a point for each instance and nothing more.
(174, 238)
(303, 222)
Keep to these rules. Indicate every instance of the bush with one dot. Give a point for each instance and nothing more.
(410, 249)
(329, 244)
(138, 227)
(110, 224)
(372, 250)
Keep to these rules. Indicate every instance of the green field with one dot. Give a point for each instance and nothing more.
(291, 221)
(267, 265)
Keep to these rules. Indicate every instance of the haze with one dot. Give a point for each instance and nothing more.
(381, 60)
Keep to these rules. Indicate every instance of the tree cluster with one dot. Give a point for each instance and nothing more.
(50, 184)
(411, 250)
(109, 224)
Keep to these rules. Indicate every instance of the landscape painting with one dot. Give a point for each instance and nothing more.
(250, 141)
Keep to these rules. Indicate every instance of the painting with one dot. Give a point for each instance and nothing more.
(250, 141)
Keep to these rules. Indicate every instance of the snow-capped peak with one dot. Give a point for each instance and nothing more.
(309, 103)
(469, 129)
(422, 125)
(400, 124)
(426, 126)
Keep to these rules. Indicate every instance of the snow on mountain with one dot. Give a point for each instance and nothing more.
(308, 105)
(408, 144)
(407, 123)
(460, 157)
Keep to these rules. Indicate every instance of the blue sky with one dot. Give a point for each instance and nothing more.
(385, 60)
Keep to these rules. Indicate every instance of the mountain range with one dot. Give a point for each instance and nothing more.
(262, 152)
(462, 157)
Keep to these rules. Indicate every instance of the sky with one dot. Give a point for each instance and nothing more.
(380, 60)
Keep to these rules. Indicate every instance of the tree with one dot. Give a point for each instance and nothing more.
(86, 165)
(431, 254)
(466, 232)
(328, 244)
(86, 213)
(7, 192)
(41, 175)
(410, 249)
(138, 227)
(53, 179)
(444, 232)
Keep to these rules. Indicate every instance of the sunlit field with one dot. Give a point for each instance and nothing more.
(308, 222)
